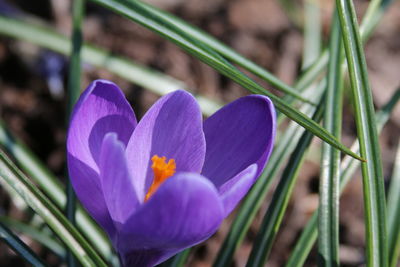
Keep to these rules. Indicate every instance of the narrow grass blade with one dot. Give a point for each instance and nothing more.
(347, 169)
(19, 246)
(393, 208)
(74, 90)
(74, 78)
(373, 187)
(305, 243)
(148, 78)
(328, 221)
(273, 218)
(312, 33)
(374, 13)
(52, 188)
(135, 12)
(39, 236)
(282, 150)
(223, 49)
(49, 213)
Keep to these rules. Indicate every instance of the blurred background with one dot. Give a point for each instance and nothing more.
(33, 81)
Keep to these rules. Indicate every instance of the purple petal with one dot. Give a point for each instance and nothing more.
(116, 182)
(102, 108)
(236, 188)
(87, 187)
(171, 128)
(184, 211)
(238, 135)
(143, 258)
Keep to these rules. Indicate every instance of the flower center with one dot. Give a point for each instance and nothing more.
(162, 171)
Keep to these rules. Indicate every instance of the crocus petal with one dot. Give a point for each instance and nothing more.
(237, 187)
(102, 108)
(238, 135)
(87, 187)
(116, 182)
(184, 211)
(171, 128)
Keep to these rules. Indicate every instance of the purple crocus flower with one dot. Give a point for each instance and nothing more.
(167, 182)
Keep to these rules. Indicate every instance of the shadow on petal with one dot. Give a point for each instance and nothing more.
(118, 124)
(117, 186)
(86, 183)
(236, 188)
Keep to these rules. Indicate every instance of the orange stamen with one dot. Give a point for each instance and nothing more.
(162, 171)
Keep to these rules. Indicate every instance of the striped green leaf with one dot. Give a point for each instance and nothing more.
(393, 208)
(373, 187)
(73, 92)
(16, 244)
(328, 219)
(227, 52)
(281, 151)
(347, 169)
(374, 13)
(82, 250)
(312, 33)
(39, 235)
(53, 189)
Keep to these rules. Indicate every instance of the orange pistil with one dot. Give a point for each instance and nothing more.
(162, 171)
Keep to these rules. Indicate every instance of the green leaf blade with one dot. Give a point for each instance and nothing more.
(374, 13)
(373, 188)
(347, 169)
(40, 236)
(52, 188)
(312, 32)
(328, 214)
(393, 208)
(16, 244)
(224, 50)
(74, 90)
(49, 213)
